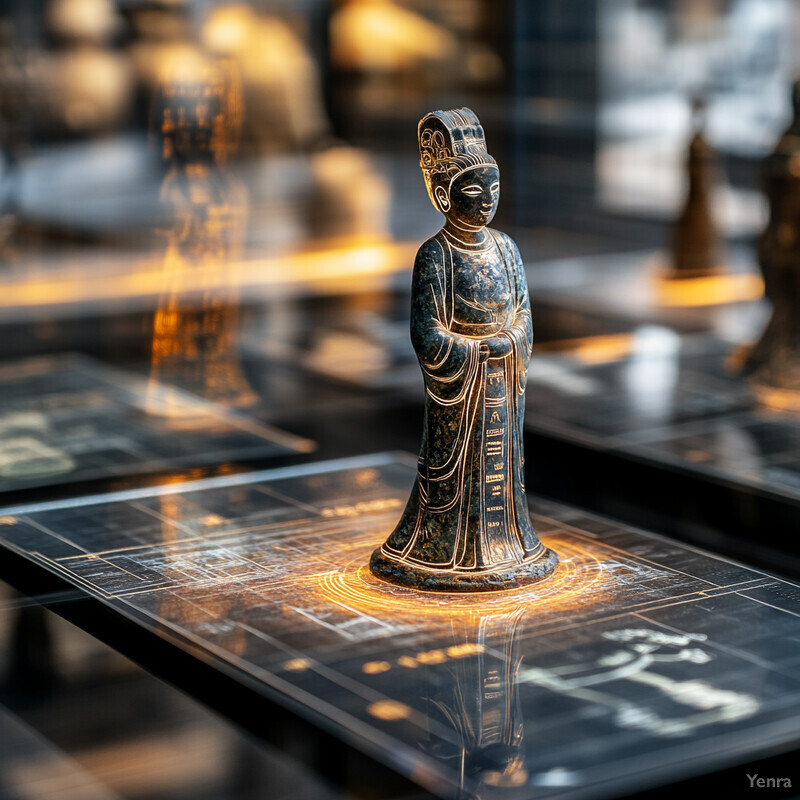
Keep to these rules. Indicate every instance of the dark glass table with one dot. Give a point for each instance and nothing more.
(667, 434)
(69, 419)
(642, 662)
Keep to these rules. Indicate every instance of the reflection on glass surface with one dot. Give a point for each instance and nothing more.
(179, 567)
(198, 114)
(651, 373)
(642, 656)
(26, 449)
(478, 699)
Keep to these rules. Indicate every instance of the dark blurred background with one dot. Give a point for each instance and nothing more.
(215, 206)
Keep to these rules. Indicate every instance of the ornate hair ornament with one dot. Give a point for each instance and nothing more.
(449, 143)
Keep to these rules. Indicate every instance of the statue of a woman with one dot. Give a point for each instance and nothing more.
(466, 526)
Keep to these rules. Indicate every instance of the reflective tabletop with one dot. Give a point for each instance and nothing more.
(641, 661)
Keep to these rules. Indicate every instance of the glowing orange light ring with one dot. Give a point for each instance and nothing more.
(354, 586)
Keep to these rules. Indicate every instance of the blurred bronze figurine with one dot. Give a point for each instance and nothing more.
(466, 526)
(695, 241)
(195, 329)
(774, 362)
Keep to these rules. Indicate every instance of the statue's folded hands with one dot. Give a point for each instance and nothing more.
(495, 348)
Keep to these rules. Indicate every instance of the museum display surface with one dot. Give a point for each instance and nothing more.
(312, 488)
(70, 418)
(263, 577)
(684, 432)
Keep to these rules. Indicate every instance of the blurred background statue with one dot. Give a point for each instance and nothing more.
(198, 113)
(695, 240)
(774, 362)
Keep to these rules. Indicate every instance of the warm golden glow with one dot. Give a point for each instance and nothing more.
(363, 507)
(195, 327)
(82, 20)
(593, 349)
(514, 774)
(439, 656)
(389, 710)
(709, 291)
(280, 80)
(603, 349)
(228, 27)
(777, 399)
(352, 266)
(463, 650)
(377, 35)
(297, 664)
(577, 579)
(376, 667)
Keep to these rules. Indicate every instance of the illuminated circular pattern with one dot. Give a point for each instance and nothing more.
(578, 574)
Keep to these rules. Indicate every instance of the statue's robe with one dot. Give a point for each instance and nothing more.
(467, 511)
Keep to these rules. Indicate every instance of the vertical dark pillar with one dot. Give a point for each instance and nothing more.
(31, 669)
(319, 39)
(554, 95)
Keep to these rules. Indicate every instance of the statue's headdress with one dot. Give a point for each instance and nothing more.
(198, 94)
(449, 143)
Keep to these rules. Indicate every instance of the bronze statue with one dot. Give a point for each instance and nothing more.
(695, 241)
(466, 525)
(774, 362)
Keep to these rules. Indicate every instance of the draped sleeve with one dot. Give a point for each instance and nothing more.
(446, 358)
(521, 331)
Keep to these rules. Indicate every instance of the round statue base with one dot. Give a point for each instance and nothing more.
(513, 576)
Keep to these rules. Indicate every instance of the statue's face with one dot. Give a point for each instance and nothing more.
(473, 197)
